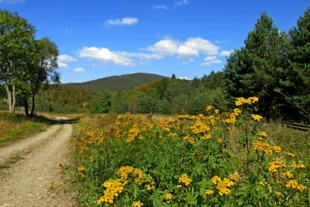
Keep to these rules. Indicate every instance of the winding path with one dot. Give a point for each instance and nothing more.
(35, 179)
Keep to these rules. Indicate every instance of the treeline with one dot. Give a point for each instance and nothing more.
(167, 96)
(63, 99)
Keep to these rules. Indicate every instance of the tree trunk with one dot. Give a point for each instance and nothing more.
(33, 106)
(11, 97)
(26, 105)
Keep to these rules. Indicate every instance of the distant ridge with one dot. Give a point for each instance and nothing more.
(115, 83)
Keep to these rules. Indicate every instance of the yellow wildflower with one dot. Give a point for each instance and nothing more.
(137, 204)
(209, 108)
(189, 139)
(298, 166)
(81, 171)
(216, 179)
(237, 111)
(279, 194)
(263, 134)
(292, 184)
(287, 174)
(274, 166)
(262, 147)
(168, 196)
(216, 111)
(277, 149)
(209, 192)
(184, 179)
(256, 117)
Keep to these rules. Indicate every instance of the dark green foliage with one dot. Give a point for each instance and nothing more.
(299, 54)
(105, 102)
(62, 99)
(115, 83)
(260, 67)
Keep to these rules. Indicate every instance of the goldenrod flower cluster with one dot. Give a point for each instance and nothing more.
(184, 179)
(262, 134)
(168, 196)
(256, 117)
(294, 185)
(137, 204)
(113, 189)
(262, 147)
(189, 139)
(200, 127)
(222, 185)
(234, 176)
(241, 101)
(279, 194)
(133, 133)
(81, 171)
(274, 166)
(209, 192)
(287, 174)
(209, 108)
(298, 166)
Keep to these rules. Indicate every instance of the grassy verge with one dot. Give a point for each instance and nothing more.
(14, 127)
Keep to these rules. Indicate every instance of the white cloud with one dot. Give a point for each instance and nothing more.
(193, 46)
(181, 2)
(183, 78)
(160, 7)
(209, 60)
(11, 1)
(164, 48)
(122, 22)
(66, 58)
(79, 70)
(167, 47)
(226, 52)
(105, 55)
(62, 65)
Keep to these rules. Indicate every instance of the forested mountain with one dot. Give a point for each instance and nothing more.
(115, 83)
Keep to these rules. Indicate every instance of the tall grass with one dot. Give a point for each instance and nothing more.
(14, 127)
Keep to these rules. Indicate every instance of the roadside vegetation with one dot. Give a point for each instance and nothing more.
(14, 127)
(211, 159)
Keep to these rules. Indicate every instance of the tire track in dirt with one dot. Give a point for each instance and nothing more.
(26, 182)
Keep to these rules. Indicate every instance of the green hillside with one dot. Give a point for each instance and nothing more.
(115, 83)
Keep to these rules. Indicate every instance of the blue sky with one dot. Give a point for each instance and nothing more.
(100, 38)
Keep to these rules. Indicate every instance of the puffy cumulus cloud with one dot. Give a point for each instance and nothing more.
(105, 55)
(141, 56)
(79, 70)
(209, 60)
(160, 7)
(62, 65)
(11, 1)
(164, 48)
(66, 58)
(226, 52)
(193, 46)
(121, 22)
(181, 2)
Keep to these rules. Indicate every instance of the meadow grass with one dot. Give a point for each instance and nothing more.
(14, 127)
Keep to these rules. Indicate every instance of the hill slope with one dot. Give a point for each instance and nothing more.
(115, 83)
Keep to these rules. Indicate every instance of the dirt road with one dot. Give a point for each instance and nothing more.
(35, 179)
